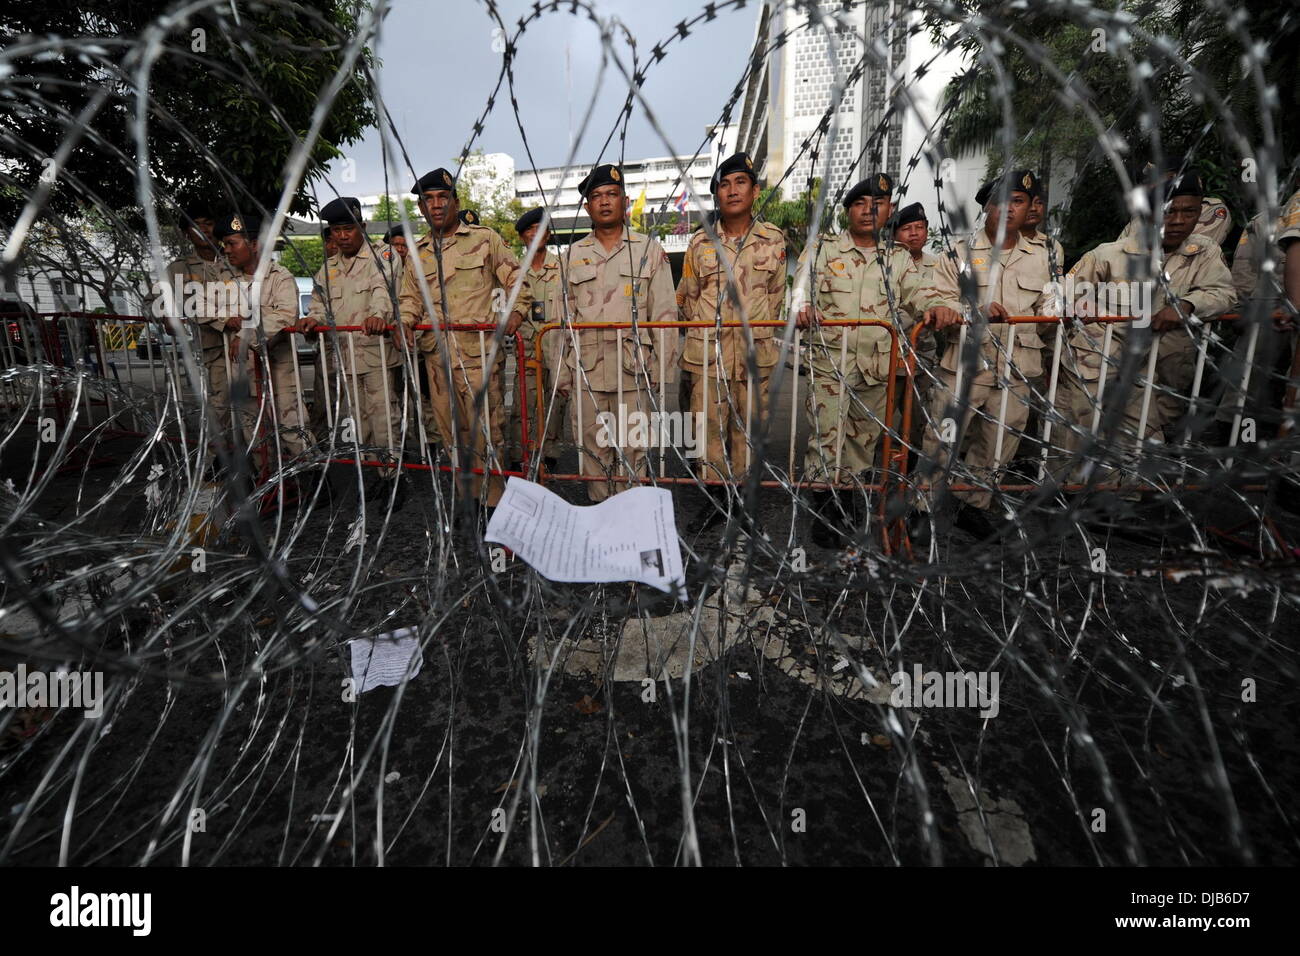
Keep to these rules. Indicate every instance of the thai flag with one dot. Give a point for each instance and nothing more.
(681, 202)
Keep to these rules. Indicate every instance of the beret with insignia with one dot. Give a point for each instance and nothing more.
(528, 220)
(193, 208)
(469, 217)
(392, 234)
(343, 211)
(250, 226)
(912, 213)
(736, 163)
(433, 181)
(877, 185)
(1188, 184)
(1018, 181)
(600, 176)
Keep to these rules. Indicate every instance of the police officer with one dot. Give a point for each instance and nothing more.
(1201, 285)
(614, 275)
(544, 283)
(1010, 279)
(1265, 344)
(349, 290)
(912, 232)
(273, 308)
(468, 274)
(739, 277)
(204, 279)
(857, 276)
(1213, 221)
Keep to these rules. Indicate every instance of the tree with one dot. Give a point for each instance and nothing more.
(792, 216)
(388, 210)
(229, 96)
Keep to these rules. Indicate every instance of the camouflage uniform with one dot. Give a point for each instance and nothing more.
(347, 291)
(757, 264)
(545, 286)
(1257, 299)
(609, 286)
(278, 310)
(476, 262)
(210, 322)
(846, 408)
(1018, 280)
(1197, 275)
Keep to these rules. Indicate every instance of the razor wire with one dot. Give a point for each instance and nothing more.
(224, 596)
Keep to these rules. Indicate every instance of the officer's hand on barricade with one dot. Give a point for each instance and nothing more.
(1284, 322)
(940, 316)
(512, 324)
(1170, 317)
(233, 323)
(998, 312)
(806, 318)
(374, 325)
(306, 325)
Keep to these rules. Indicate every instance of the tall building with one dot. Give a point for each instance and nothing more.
(805, 53)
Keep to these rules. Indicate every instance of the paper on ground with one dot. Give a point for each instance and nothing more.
(383, 660)
(630, 536)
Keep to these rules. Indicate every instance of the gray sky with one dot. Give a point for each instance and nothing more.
(436, 78)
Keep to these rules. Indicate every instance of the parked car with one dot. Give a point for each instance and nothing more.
(154, 341)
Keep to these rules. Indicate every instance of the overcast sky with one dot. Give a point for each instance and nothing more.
(438, 69)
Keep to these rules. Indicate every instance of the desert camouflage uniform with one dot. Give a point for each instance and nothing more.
(1018, 279)
(347, 291)
(1197, 275)
(847, 409)
(721, 370)
(213, 341)
(605, 286)
(278, 311)
(546, 290)
(476, 262)
(1257, 299)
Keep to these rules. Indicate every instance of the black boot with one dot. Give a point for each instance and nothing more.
(827, 522)
(975, 522)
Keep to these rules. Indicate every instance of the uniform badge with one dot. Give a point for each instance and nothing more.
(1220, 213)
(749, 162)
(1194, 247)
(446, 178)
(1027, 181)
(883, 183)
(977, 262)
(236, 224)
(613, 174)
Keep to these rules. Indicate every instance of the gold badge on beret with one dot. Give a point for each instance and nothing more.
(1027, 181)
(236, 224)
(883, 183)
(613, 174)
(446, 178)
(749, 162)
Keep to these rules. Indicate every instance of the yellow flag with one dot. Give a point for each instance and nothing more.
(638, 210)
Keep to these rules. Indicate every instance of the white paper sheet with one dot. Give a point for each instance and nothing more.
(382, 660)
(630, 536)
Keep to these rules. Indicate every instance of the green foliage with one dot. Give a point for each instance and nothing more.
(303, 255)
(226, 107)
(495, 202)
(388, 210)
(792, 216)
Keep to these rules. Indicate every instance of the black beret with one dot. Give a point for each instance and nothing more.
(250, 226)
(912, 213)
(394, 233)
(343, 211)
(1188, 184)
(469, 217)
(1019, 181)
(429, 182)
(736, 163)
(875, 185)
(195, 208)
(600, 176)
(528, 220)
